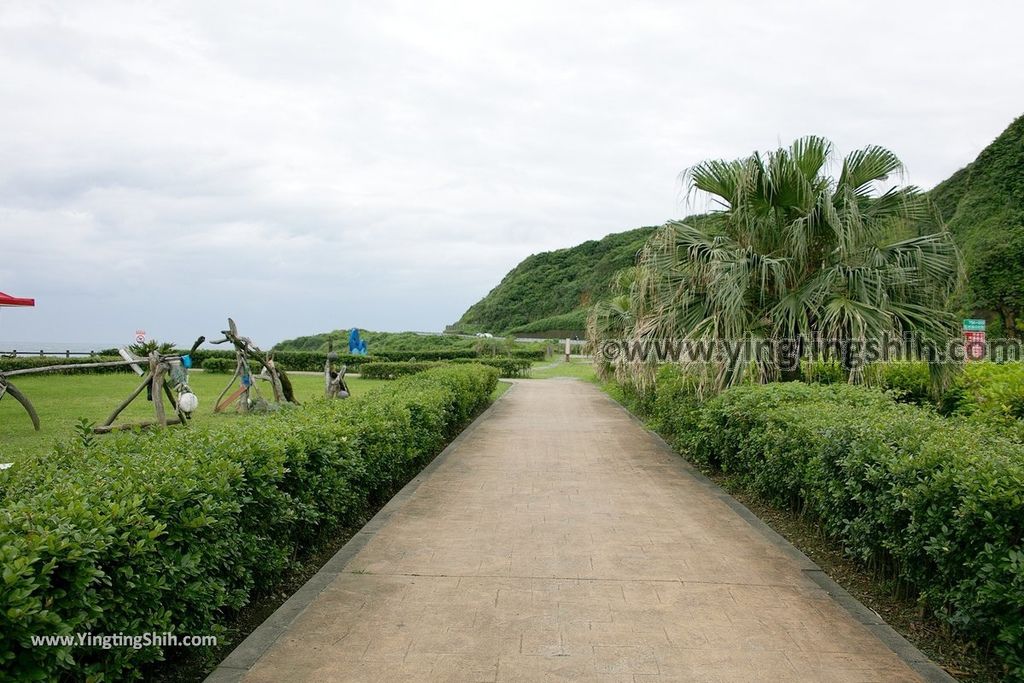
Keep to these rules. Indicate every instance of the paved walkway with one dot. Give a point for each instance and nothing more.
(559, 540)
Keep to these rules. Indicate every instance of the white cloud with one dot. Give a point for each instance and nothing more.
(312, 165)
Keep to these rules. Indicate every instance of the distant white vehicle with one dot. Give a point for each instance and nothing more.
(485, 335)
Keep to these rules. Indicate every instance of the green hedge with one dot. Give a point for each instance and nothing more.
(172, 530)
(224, 365)
(313, 361)
(24, 362)
(531, 354)
(301, 361)
(995, 389)
(507, 367)
(394, 370)
(931, 501)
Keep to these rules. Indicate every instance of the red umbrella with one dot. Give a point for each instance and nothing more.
(8, 300)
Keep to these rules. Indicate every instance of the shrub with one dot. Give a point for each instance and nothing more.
(25, 362)
(995, 389)
(303, 361)
(440, 354)
(393, 370)
(219, 365)
(934, 502)
(909, 381)
(507, 367)
(530, 354)
(172, 530)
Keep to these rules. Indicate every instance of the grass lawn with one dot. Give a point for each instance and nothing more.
(500, 389)
(580, 368)
(61, 400)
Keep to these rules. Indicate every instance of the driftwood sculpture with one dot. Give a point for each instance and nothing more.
(334, 380)
(246, 351)
(172, 365)
(163, 372)
(6, 388)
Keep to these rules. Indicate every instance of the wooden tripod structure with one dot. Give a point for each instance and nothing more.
(245, 351)
(154, 378)
(161, 365)
(334, 380)
(6, 388)
(163, 371)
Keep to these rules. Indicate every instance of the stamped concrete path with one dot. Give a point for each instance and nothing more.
(557, 539)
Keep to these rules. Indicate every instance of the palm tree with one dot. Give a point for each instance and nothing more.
(793, 253)
(612, 318)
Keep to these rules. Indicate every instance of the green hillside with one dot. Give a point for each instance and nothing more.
(983, 204)
(549, 294)
(551, 291)
(376, 342)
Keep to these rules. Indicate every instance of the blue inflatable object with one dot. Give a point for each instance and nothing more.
(356, 346)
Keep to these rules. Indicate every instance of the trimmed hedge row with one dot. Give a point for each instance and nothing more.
(507, 367)
(933, 502)
(301, 361)
(224, 365)
(982, 386)
(529, 354)
(172, 530)
(394, 370)
(24, 362)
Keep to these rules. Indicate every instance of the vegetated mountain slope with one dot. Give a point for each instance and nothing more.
(552, 291)
(983, 205)
(376, 342)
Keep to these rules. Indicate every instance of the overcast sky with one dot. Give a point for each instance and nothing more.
(307, 166)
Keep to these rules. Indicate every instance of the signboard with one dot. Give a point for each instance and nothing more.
(974, 339)
(140, 336)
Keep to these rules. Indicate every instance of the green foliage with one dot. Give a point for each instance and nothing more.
(172, 530)
(301, 361)
(529, 354)
(83, 429)
(24, 362)
(983, 205)
(219, 365)
(378, 342)
(995, 390)
(930, 501)
(793, 254)
(991, 388)
(909, 381)
(394, 370)
(147, 347)
(507, 367)
(561, 325)
(554, 284)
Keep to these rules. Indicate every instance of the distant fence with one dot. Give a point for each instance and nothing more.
(44, 353)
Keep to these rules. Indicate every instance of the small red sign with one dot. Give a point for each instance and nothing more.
(974, 345)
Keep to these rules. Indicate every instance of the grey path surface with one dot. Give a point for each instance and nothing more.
(559, 540)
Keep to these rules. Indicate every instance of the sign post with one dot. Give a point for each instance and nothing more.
(974, 339)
